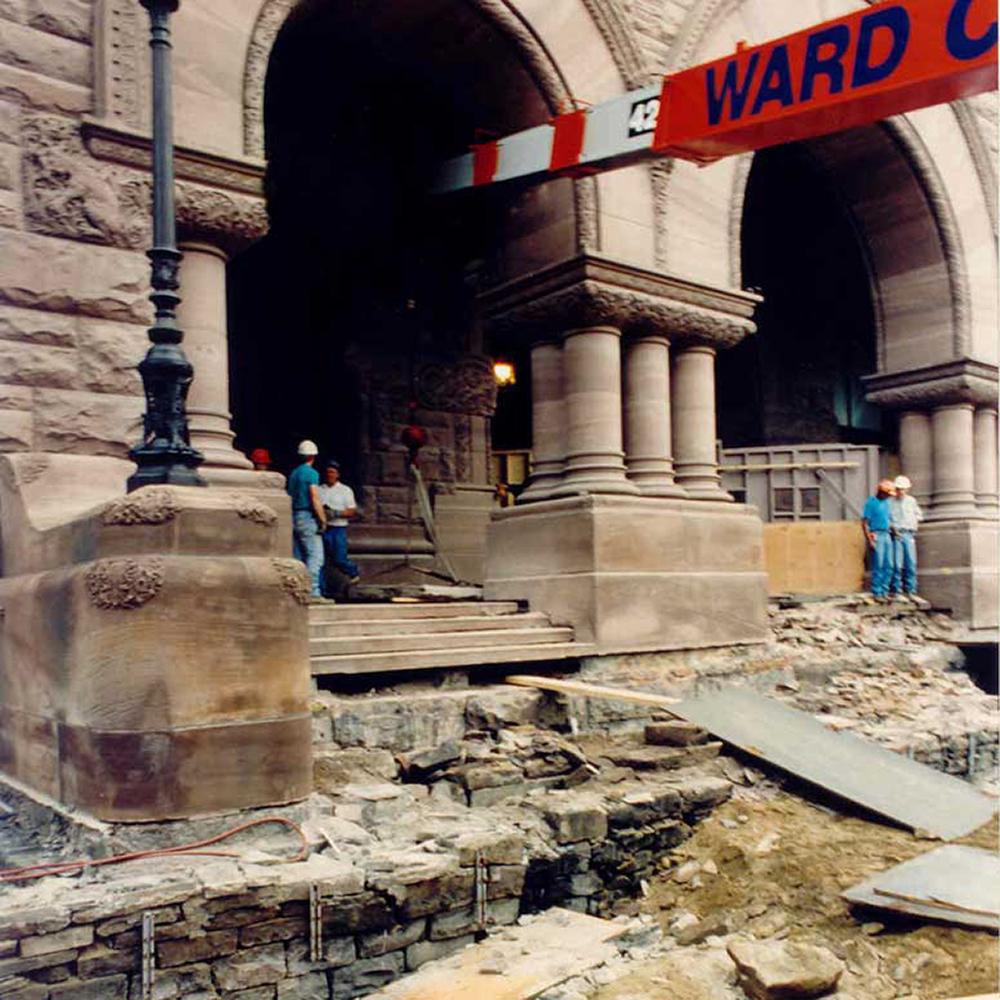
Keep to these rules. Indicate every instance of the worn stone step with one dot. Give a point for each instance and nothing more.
(371, 663)
(394, 626)
(320, 613)
(350, 645)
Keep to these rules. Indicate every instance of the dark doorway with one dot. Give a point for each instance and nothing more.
(798, 380)
(364, 276)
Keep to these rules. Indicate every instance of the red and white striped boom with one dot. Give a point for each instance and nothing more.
(885, 60)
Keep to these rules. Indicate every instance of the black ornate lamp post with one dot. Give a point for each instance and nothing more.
(165, 454)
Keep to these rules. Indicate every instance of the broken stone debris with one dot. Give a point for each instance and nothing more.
(785, 970)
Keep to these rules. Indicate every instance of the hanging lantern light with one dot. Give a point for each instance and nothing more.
(504, 373)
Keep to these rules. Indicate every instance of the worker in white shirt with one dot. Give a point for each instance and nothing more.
(905, 516)
(339, 506)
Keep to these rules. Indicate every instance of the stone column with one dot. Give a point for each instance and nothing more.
(954, 483)
(592, 373)
(693, 405)
(985, 468)
(202, 317)
(648, 453)
(916, 453)
(548, 421)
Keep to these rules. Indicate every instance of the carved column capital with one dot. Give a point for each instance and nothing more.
(589, 291)
(951, 383)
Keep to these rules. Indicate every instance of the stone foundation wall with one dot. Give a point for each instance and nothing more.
(227, 929)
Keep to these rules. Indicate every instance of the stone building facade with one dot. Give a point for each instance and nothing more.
(325, 296)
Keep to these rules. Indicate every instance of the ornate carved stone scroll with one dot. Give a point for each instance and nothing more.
(964, 381)
(294, 579)
(124, 584)
(152, 506)
(251, 510)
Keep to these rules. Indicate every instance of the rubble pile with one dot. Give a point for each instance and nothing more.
(890, 673)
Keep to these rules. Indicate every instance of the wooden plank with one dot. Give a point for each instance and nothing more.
(516, 963)
(580, 689)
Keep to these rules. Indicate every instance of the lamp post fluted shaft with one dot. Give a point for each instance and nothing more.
(165, 454)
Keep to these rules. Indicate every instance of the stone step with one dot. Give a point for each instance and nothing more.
(394, 626)
(350, 645)
(323, 613)
(463, 656)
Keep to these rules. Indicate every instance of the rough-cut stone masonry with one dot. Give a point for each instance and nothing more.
(395, 860)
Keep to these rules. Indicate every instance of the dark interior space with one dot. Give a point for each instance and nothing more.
(362, 102)
(798, 380)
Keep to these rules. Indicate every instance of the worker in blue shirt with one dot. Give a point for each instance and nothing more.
(308, 516)
(876, 520)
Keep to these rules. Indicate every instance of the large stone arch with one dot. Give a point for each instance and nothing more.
(949, 304)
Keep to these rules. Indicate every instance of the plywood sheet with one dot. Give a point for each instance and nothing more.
(814, 557)
(884, 782)
(516, 963)
(955, 883)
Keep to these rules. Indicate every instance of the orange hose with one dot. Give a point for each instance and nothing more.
(28, 872)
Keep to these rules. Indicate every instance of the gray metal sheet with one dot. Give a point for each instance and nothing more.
(955, 883)
(887, 783)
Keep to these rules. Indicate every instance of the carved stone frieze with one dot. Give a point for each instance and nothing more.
(67, 194)
(590, 291)
(124, 584)
(965, 381)
(464, 386)
(608, 15)
(294, 579)
(154, 505)
(252, 510)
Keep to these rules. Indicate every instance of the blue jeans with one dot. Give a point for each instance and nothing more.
(335, 538)
(881, 564)
(308, 545)
(904, 563)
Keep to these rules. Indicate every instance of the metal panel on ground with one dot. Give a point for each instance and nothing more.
(887, 783)
(954, 883)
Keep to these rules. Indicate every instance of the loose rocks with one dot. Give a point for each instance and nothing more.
(785, 970)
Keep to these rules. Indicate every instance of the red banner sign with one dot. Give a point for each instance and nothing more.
(888, 59)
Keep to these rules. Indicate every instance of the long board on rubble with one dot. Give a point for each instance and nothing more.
(886, 783)
(514, 963)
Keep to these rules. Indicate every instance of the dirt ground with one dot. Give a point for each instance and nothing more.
(782, 862)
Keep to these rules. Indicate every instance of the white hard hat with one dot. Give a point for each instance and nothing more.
(307, 448)
(902, 483)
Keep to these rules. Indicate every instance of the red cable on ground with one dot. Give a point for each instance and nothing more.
(28, 872)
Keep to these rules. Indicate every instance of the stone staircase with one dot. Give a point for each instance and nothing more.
(376, 638)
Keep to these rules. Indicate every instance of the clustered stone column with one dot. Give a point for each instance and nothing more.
(611, 414)
(985, 472)
(595, 460)
(916, 453)
(202, 314)
(548, 420)
(954, 483)
(947, 436)
(648, 448)
(694, 425)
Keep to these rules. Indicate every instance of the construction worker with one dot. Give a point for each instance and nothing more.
(338, 505)
(876, 522)
(905, 516)
(308, 519)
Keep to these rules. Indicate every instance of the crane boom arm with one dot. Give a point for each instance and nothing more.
(885, 60)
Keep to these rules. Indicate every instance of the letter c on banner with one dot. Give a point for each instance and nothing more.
(897, 21)
(960, 44)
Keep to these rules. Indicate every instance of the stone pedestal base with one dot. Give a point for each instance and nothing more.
(463, 518)
(153, 650)
(957, 568)
(634, 574)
